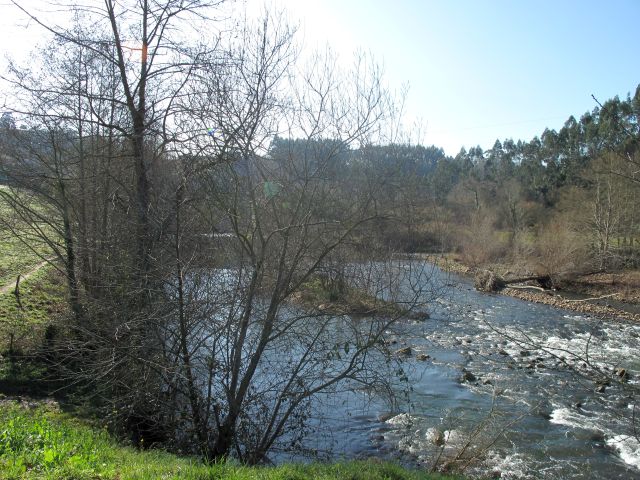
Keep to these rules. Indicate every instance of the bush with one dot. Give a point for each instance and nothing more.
(481, 244)
(560, 250)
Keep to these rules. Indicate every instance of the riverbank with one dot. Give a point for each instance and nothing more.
(40, 441)
(578, 305)
(594, 294)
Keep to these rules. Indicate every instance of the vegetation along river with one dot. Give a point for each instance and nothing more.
(509, 388)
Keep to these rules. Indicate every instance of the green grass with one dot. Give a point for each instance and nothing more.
(17, 258)
(42, 297)
(42, 294)
(628, 243)
(41, 442)
(21, 248)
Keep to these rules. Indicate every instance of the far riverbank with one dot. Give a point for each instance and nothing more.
(610, 295)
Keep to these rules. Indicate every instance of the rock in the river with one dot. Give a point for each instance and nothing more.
(524, 353)
(405, 352)
(418, 316)
(467, 376)
(438, 438)
(622, 373)
(423, 357)
(383, 417)
(601, 389)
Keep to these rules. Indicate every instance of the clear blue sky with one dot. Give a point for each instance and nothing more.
(477, 70)
(481, 70)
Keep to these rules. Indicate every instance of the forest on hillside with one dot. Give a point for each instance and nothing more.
(561, 203)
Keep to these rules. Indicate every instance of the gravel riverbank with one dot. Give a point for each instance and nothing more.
(586, 307)
(594, 289)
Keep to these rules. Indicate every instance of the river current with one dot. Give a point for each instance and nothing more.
(510, 389)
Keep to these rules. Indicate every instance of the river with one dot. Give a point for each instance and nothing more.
(529, 407)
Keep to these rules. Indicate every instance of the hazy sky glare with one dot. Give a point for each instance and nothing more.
(481, 70)
(476, 70)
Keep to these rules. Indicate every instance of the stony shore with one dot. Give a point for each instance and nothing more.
(585, 307)
(549, 297)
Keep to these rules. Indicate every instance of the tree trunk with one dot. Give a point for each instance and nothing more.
(199, 424)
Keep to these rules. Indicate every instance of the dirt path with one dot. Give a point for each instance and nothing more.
(8, 288)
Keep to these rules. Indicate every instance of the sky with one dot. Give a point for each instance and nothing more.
(482, 70)
(477, 71)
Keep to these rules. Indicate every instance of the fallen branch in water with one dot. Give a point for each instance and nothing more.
(549, 292)
(525, 287)
(488, 281)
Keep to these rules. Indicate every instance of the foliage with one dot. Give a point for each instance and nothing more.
(335, 296)
(482, 243)
(134, 168)
(140, 164)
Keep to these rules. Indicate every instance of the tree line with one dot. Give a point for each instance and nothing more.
(564, 201)
(566, 198)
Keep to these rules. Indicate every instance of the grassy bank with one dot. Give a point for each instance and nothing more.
(21, 247)
(41, 302)
(39, 441)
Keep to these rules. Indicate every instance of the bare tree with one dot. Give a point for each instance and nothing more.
(189, 244)
(286, 222)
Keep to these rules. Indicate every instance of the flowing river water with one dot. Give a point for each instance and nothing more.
(509, 390)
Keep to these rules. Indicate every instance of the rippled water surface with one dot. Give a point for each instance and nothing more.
(529, 407)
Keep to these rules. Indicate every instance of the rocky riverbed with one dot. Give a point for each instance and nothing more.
(503, 388)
